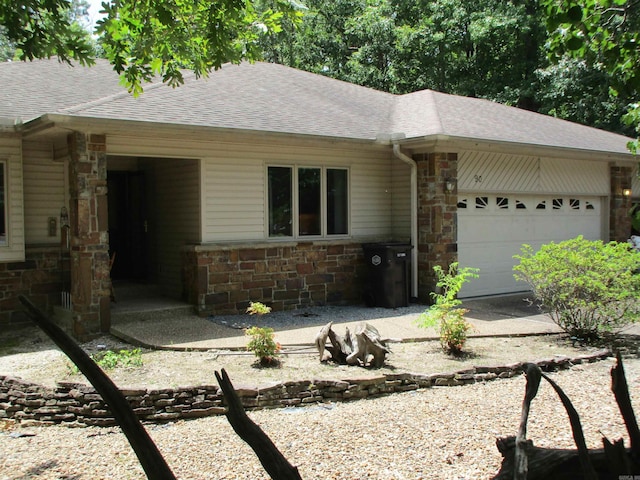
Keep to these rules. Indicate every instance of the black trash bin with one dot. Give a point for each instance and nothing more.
(389, 266)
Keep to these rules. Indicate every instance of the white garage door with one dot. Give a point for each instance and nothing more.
(492, 229)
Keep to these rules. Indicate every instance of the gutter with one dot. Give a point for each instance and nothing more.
(397, 152)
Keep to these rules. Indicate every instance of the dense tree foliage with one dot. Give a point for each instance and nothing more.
(32, 29)
(478, 48)
(143, 38)
(605, 34)
(473, 48)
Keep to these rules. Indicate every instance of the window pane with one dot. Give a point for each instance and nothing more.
(309, 201)
(337, 202)
(3, 203)
(280, 200)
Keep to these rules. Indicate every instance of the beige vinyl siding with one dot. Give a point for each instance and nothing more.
(174, 211)
(496, 172)
(44, 192)
(233, 198)
(11, 153)
(233, 179)
(573, 176)
(401, 199)
(371, 198)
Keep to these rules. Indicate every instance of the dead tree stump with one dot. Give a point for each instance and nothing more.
(363, 346)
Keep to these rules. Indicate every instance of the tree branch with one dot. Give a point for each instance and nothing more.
(148, 454)
(274, 463)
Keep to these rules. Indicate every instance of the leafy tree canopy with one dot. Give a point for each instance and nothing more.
(44, 28)
(602, 33)
(144, 38)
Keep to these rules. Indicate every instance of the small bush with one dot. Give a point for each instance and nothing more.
(262, 342)
(588, 287)
(445, 313)
(257, 308)
(263, 345)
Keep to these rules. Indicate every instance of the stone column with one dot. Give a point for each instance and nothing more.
(619, 219)
(437, 218)
(88, 215)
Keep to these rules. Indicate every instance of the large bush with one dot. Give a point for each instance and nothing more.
(588, 287)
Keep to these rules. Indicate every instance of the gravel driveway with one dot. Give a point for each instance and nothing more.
(438, 433)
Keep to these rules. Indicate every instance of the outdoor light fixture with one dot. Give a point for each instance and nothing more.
(626, 192)
(449, 185)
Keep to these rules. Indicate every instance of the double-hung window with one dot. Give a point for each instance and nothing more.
(308, 201)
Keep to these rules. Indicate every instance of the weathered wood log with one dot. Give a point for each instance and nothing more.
(522, 460)
(321, 340)
(274, 463)
(521, 466)
(340, 347)
(148, 454)
(363, 346)
(552, 463)
(620, 390)
(368, 343)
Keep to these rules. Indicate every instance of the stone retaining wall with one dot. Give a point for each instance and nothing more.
(77, 404)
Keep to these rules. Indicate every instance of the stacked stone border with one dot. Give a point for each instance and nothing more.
(75, 404)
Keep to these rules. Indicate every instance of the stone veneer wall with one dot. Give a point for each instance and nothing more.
(88, 215)
(39, 278)
(437, 218)
(78, 404)
(224, 279)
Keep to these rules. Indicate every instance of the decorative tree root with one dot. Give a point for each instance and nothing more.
(362, 347)
(521, 460)
(274, 463)
(152, 461)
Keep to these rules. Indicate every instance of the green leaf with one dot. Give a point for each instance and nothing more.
(574, 14)
(575, 43)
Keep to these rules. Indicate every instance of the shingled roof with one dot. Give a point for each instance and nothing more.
(268, 97)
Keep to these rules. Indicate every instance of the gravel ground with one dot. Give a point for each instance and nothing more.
(438, 433)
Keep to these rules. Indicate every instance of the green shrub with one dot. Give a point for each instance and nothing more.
(262, 342)
(257, 308)
(263, 345)
(109, 359)
(445, 313)
(122, 358)
(588, 287)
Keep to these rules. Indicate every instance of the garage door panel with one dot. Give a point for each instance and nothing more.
(490, 236)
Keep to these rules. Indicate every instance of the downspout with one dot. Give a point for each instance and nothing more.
(414, 216)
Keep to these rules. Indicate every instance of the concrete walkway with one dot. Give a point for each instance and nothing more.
(178, 329)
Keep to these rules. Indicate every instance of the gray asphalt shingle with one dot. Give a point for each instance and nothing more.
(274, 98)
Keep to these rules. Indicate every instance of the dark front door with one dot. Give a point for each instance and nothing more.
(128, 225)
